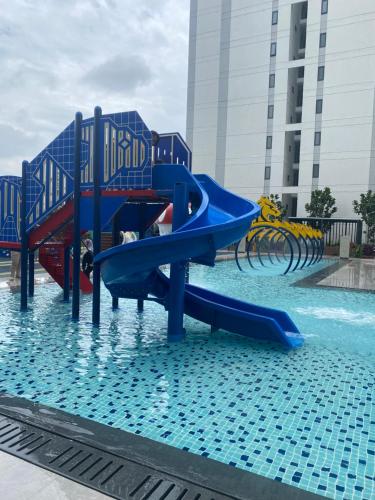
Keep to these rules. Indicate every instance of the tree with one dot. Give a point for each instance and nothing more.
(275, 198)
(322, 205)
(365, 207)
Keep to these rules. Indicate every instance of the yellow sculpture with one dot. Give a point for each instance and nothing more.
(297, 245)
(270, 216)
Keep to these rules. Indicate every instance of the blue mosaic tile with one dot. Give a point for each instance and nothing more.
(305, 417)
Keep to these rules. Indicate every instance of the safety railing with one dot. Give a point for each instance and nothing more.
(10, 203)
(171, 148)
(126, 163)
(333, 229)
(125, 151)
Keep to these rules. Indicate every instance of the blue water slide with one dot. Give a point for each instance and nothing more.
(219, 218)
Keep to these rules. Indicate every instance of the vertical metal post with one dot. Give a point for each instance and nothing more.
(140, 302)
(115, 242)
(66, 273)
(31, 273)
(24, 238)
(177, 279)
(77, 216)
(187, 272)
(96, 219)
(359, 233)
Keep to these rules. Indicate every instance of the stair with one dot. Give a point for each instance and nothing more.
(51, 257)
(59, 229)
(60, 219)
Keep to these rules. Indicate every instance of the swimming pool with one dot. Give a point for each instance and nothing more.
(305, 417)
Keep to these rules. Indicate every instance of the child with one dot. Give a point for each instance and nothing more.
(88, 258)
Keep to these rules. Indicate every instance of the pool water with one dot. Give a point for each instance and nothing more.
(304, 417)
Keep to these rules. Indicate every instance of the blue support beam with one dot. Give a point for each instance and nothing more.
(24, 238)
(66, 274)
(142, 232)
(115, 242)
(140, 302)
(96, 221)
(176, 329)
(31, 273)
(77, 216)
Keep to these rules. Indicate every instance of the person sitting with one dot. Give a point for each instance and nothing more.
(88, 258)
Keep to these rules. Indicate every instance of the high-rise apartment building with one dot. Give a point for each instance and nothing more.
(281, 97)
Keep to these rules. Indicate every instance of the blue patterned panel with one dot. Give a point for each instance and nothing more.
(10, 208)
(125, 152)
(173, 149)
(50, 177)
(125, 158)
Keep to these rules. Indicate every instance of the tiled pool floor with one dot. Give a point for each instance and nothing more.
(304, 417)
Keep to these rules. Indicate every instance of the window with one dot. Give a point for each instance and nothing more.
(299, 96)
(275, 16)
(304, 11)
(273, 49)
(297, 151)
(267, 173)
(324, 6)
(269, 142)
(323, 40)
(295, 177)
(317, 138)
(320, 73)
(319, 106)
(270, 111)
(271, 83)
(315, 170)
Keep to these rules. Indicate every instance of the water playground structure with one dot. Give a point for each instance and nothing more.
(273, 241)
(110, 173)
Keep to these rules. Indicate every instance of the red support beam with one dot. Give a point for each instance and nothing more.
(54, 221)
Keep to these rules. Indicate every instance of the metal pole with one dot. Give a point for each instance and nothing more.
(31, 273)
(96, 218)
(24, 239)
(77, 216)
(115, 242)
(140, 302)
(359, 233)
(177, 280)
(66, 273)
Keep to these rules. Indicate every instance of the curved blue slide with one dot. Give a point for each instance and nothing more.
(219, 218)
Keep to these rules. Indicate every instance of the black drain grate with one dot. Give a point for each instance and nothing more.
(95, 468)
(124, 465)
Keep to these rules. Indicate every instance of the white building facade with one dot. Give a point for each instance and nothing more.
(281, 97)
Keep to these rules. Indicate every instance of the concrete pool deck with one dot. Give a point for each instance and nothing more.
(354, 274)
(20, 480)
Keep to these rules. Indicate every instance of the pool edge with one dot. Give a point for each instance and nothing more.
(166, 461)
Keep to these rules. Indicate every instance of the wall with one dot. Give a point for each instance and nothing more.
(228, 97)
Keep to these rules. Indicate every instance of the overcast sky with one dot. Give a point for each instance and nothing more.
(61, 56)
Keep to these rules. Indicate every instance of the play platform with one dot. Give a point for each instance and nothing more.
(108, 174)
